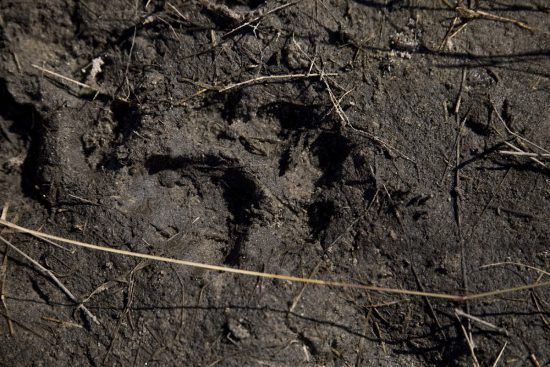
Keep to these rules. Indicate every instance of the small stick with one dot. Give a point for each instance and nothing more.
(430, 307)
(379, 335)
(82, 85)
(461, 88)
(521, 151)
(62, 77)
(517, 135)
(69, 250)
(266, 78)
(49, 274)
(130, 53)
(260, 17)
(386, 304)
(86, 201)
(447, 37)
(524, 154)
(498, 209)
(17, 63)
(500, 354)
(3, 273)
(2, 292)
(23, 326)
(458, 30)
(470, 344)
(478, 14)
(61, 322)
(516, 264)
(534, 360)
(297, 298)
(459, 312)
(273, 78)
(521, 138)
(4, 215)
(457, 190)
(177, 12)
(503, 291)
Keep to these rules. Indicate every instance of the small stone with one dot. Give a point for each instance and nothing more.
(237, 329)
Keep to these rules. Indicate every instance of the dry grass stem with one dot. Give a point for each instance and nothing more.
(49, 274)
(3, 273)
(459, 312)
(470, 14)
(522, 140)
(534, 360)
(260, 17)
(525, 154)
(257, 80)
(470, 344)
(51, 73)
(515, 264)
(452, 297)
(67, 324)
(299, 295)
(499, 355)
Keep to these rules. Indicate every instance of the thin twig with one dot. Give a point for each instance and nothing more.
(501, 119)
(534, 360)
(76, 82)
(299, 295)
(49, 274)
(63, 77)
(261, 16)
(257, 80)
(69, 250)
(519, 151)
(271, 78)
(23, 326)
(500, 355)
(519, 137)
(524, 154)
(3, 294)
(516, 264)
(470, 344)
(541, 313)
(130, 53)
(458, 102)
(459, 312)
(470, 14)
(447, 37)
(430, 307)
(177, 12)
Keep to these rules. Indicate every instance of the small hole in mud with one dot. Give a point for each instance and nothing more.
(320, 215)
(242, 199)
(127, 118)
(293, 116)
(330, 150)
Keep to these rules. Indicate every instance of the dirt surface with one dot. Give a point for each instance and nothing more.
(387, 165)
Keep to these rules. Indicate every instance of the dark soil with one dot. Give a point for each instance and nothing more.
(269, 176)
